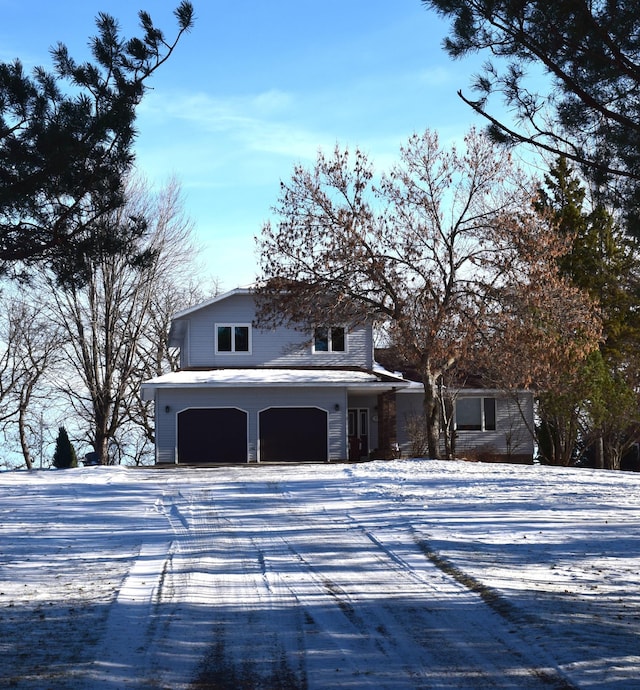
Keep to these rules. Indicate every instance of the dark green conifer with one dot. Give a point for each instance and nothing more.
(66, 147)
(64, 456)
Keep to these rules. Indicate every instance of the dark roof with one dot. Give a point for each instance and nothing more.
(390, 359)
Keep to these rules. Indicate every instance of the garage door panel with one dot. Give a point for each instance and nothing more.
(212, 435)
(293, 434)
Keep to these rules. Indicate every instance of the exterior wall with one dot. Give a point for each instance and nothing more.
(511, 440)
(408, 407)
(277, 347)
(252, 401)
(388, 426)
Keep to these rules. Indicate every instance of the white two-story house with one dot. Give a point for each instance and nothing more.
(249, 395)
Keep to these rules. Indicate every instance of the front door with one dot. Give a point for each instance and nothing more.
(358, 433)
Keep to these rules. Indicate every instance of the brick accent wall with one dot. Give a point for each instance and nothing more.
(387, 425)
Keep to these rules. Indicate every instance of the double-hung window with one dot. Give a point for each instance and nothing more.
(476, 414)
(231, 337)
(327, 339)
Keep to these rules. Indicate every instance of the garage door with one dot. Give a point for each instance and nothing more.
(212, 435)
(293, 434)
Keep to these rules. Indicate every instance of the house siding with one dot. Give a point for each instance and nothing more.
(511, 440)
(279, 346)
(252, 401)
(236, 309)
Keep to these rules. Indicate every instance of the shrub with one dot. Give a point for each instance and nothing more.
(65, 454)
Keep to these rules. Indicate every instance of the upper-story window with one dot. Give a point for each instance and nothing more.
(329, 339)
(476, 414)
(232, 337)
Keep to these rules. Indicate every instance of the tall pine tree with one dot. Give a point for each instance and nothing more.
(67, 145)
(603, 262)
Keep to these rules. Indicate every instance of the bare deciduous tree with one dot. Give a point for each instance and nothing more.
(155, 356)
(111, 319)
(30, 347)
(438, 249)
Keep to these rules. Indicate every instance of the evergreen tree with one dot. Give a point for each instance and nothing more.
(599, 407)
(65, 454)
(601, 260)
(588, 107)
(66, 146)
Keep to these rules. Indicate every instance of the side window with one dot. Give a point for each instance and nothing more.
(321, 340)
(468, 414)
(233, 337)
(476, 414)
(329, 339)
(224, 342)
(241, 338)
(337, 340)
(489, 414)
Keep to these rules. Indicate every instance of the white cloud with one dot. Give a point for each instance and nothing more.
(256, 123)
(206, 127)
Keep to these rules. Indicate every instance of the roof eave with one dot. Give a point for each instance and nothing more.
(213, 300)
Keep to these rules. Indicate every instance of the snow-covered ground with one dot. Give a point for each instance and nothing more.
(404, 574)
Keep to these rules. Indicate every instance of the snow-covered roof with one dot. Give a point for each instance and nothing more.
(275, 377)
(468, 391)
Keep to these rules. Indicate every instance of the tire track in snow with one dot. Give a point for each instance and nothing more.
(542, 665)
(341, 642)
(132, 618)
(456, 635)
(161, 600)
(257, 629)
(333, 629)
(297, 601)
(503, 607)
(328, 636)
(204, 564)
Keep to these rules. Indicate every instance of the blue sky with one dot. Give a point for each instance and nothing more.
(259, 86)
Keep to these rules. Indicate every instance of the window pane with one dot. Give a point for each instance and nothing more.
(364, 419)
(468, 414)
(242, 338)
(322, 340)
(337, 339)
(224, 338)
(352, 423)
(490, 414)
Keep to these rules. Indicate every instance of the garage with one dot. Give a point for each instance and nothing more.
(293, 434)
(212, 435)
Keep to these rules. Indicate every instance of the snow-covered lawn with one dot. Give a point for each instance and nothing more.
(404, 574)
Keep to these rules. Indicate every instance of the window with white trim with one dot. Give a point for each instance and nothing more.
(329, 339)
(233, 337)
(475, 414)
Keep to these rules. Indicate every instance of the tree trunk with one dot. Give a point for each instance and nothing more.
(557, 437)
(23, 408)
(101, 447)
(447, 427)
(431, 414)
(101, 433)
(612, 455)
(22, 430)
(599, 452)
